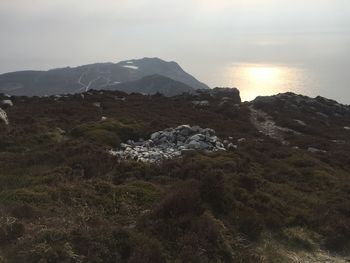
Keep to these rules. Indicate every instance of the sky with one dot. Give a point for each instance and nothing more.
(211, 39)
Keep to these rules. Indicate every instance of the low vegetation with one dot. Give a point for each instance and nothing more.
(63, 198)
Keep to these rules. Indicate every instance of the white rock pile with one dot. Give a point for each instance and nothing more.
(171, 143)
(3, 116)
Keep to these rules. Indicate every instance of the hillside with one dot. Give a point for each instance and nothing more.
(153, 84)
(87, 178)
(95, 76)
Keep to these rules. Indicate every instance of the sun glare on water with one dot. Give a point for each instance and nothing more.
(264, 74)
(260, 79)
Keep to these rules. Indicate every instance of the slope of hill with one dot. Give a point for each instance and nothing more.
(279, 192)
(94, 76)
(153, 84)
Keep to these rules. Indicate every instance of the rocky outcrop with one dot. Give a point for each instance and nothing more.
(224, 94)
(171, 143)
(319, 106)
(227, 94)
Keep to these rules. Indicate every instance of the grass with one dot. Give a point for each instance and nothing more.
(79, 204)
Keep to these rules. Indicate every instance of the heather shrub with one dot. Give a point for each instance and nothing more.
(180, 204)
(212, 191)
(10, 229)
(23, 211)
(249, 223)
(301, 238)
(109, 132)
(147, 249)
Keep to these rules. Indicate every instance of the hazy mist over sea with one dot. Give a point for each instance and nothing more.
(262, 47)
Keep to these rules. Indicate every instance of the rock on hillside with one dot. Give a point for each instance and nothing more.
(171, 143)
(292, 102)
(229, 96)
(309, 123)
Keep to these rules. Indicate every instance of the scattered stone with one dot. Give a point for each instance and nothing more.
(97, 104)
(265, 124)
(232, 147)
(300, 122)
(60, 131)
(201, 103)
(315, 150)
(171, 143)
(119, 98)
(322, 114)
(103, 118)
(338, 141)
(347, 128)
(241, 140)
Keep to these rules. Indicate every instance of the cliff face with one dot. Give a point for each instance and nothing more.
(266, 179)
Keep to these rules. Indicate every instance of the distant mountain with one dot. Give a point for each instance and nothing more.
(153, 84)
(93, 76)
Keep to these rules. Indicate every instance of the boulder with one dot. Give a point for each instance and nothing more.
(227, 94)
(209, 132)
(197, 129)
(232, 147)
(155, 136)
(184, 130)
(196, 137)
(194, 145)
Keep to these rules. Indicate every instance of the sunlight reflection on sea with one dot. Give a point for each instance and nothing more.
(265, 79)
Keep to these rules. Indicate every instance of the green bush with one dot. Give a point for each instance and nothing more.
(103, 137)
(109, 132)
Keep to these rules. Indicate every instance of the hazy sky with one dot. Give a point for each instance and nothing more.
(206, 37)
